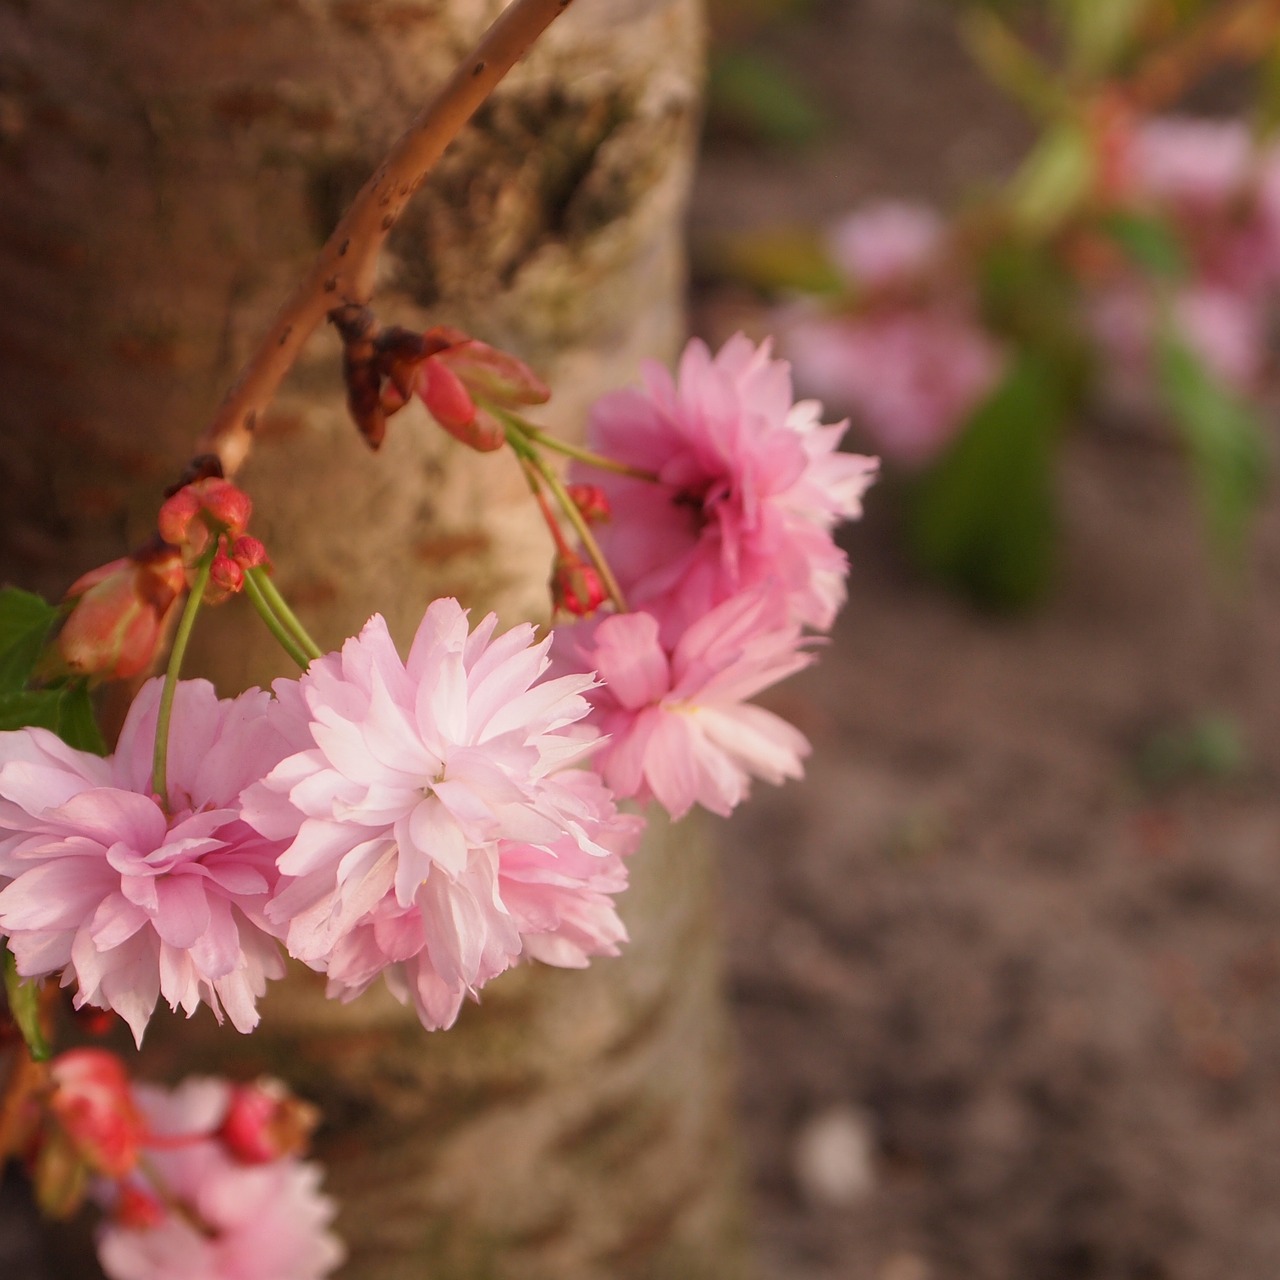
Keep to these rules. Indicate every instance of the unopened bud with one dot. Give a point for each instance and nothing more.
(136, 1209)
(201, 510)
(94, 1108)
(493, 375)
(249, 553)
(265, 1122)
(591, 501)
(118, 617)
(576, 586)
(444, 395)
(225, 575)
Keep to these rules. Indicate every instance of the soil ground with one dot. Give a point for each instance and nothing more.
(1027, 1002)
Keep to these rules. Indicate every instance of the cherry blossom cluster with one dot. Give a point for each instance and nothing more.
(203, 1181)
(1217, 190)
(724, 494)
(434, 818)
(908, 355)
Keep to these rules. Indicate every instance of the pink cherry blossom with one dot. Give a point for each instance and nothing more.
(265, 1221)
(749, 487)
(1225, 329)
(129, 901)
(910, 376)
(418, 779)
(682, 730)
(1197, 165)
(885, 243)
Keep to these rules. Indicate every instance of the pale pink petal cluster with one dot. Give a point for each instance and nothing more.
(128, 899)
(1198, 165)
(910, 375)
(260, 1221)
(749, 486)
(681, 727)
(886, 243)
(421, 785)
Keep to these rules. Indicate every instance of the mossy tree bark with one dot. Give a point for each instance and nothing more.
(169, 167)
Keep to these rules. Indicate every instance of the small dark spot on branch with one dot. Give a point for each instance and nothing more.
(251, 420)
(388, 221)
(331, 284)
(284, 337)
(478, 69)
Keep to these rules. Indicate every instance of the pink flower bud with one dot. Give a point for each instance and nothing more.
(176, 515)
(225, 574)
(576, 586)
(93, 1106)
(446, 398)
(249, 553)
(136, 1209)
(265, 1121)
(118, 616)
(493, 375)
(204, 508)
(591, 500)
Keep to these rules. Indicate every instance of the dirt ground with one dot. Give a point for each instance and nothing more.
(1006, 1010)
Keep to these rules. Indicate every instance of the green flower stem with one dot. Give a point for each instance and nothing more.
(538, 473)
(582, 529)
(272, 595)
(548, 441)
(160, 760)
(253, 590)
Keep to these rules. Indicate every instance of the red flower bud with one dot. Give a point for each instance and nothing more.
(225, 575)
(446, 398)
(249, 553)
(265, 1121)
(576, 586)
(94, 1107)
(136, 1209)
(201, 510)
(118, 618)
(591, 500)
(493, 375)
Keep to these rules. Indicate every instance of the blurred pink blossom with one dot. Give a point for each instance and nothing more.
(681, 729)
(266, 1221)
(129, 901)
(1196, 165)
(414, 777)
(1226, 330)
(885, 243)
(749, 486)
(911, 377)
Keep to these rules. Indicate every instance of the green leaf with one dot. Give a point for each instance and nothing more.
(77, 724)
(1054, 179)
(1100, 34)
(41, 708)
(1149, 243)
(1224, 440)
(25, 621)
(66, 710)
(982, 518)
(751, 93)
(23, 996)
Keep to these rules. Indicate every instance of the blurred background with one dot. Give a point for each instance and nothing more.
(1006, 967)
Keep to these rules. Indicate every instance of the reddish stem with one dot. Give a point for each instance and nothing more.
(343, 274)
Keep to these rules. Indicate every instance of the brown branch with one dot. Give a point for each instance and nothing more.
(1242, 32)
(344, 272)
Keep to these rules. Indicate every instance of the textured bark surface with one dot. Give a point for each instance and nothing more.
(168, 167)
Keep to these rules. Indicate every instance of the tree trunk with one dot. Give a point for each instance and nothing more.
(170, 166)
